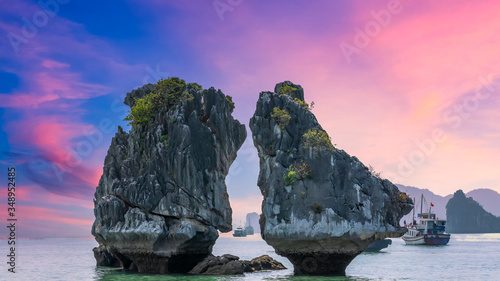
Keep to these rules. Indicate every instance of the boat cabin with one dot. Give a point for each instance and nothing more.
(427, 216)
(428, 224)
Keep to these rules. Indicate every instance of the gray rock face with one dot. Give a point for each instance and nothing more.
(321, 207)
(162, 195)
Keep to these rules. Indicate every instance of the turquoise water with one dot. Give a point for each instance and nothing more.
(466, 257)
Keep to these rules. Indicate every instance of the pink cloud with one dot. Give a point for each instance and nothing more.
(24, 193)
(32, 193)
(51, 135)
(45, 214)
(54, 64)
(54, 85)
(59, 161)
(49, 222)
(56, 199)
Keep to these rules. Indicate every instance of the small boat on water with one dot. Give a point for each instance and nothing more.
(239, 232)
(426, 230)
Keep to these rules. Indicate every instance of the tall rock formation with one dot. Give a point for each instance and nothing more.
(162, 196)
(465, 215)
(321, 206)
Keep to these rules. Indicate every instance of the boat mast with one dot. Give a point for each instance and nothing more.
(421, 202)
(413, 212)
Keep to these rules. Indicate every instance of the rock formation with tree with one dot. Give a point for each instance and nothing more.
(321, 206)
(162, 195)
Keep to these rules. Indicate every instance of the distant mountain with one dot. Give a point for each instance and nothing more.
(465, 215)
(253, 220)
(487, 198)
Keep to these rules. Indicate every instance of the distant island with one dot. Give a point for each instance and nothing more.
(252, 222)
(487, 198)
(465, 215)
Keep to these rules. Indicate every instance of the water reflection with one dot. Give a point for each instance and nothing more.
(112, 274)
(487, 237)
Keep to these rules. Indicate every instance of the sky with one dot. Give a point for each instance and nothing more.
(409, 87)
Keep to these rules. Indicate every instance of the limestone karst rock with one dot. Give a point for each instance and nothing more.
(321, 206)
(162, 196)
(465, 215)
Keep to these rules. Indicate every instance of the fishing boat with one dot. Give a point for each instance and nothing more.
(239, 232)
(426, 229)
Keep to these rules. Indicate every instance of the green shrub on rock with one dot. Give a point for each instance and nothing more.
(231, 103)
(303, 170)
(297, 171)
(171, 91)
(302, 103)
(196, 86)
(287, 90)
(164, 140)
(282, 117)
(143, 110)
(317, 139)
(290, 177)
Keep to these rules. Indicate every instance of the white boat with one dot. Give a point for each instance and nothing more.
(426, 230)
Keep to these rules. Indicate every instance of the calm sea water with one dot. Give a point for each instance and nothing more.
(466, 257)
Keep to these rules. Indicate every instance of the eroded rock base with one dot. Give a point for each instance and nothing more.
(192, 264)
(319, 263)
(148, 262)
(104, 258)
